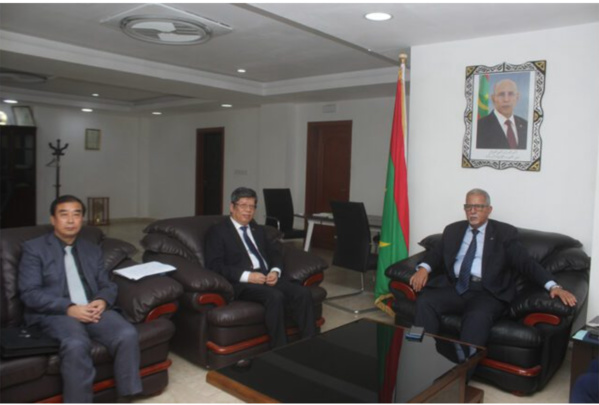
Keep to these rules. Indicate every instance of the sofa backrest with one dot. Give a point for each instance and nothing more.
(11, 241)
(185, 236)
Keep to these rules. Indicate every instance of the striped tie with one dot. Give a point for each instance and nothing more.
(464, 277)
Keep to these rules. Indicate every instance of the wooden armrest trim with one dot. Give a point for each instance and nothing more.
(510, 368)
(404, 288)
(314, 279)
(165, 309)
(110, 383)
(538, 317)
(246, 344)
(214, 299)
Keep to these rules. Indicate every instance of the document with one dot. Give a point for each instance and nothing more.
(143, 270)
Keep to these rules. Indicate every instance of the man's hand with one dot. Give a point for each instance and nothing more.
(272, 278)
(566, 296)
(257, 278)
(419, 279)
(83, 313)
(99, 306)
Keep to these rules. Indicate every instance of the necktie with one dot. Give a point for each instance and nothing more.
(466, 268)
(511, 137)
(253, 249)
(76, 290)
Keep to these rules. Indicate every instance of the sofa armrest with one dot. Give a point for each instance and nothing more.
(193, 277)
(302, 266)
(403, 270)
(149, 297)
(536, 300)
(115, 252)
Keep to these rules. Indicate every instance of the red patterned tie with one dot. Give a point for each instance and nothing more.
(511, 137)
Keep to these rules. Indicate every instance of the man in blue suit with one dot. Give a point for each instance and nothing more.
(68, 293)
(502, 129)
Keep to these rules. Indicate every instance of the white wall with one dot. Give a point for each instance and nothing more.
(112, 172)
(562, 196)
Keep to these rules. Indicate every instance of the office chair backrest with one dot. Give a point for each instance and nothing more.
(278, 204)
(352, 248)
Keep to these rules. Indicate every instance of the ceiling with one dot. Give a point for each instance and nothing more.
(291, 52)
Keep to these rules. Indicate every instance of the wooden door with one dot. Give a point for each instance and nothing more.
(18, 176)
(328, 172)
(209, 171)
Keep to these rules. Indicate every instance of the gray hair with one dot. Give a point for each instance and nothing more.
(480, 191)
(243, 192)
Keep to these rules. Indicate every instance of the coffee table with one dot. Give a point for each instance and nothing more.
(363, 361)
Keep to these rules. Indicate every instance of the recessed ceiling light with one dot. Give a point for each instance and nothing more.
(87, 110)
(156, 113)
(241, 70)
(11, 101)
(378, 16)
(226, 105)
(95, 95)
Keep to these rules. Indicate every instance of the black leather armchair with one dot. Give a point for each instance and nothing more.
(528, 345)
(212, 329)
(146, 303)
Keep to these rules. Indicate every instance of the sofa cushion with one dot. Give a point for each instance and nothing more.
(237, 313)
(22, 369)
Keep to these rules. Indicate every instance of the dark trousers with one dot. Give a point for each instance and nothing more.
(276, 299)
(76, 364)
(479, 310)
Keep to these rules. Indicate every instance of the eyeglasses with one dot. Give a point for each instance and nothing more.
(476, 207)
(249, 207)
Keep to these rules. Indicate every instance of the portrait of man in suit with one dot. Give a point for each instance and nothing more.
(69, 294)
(240, 251)
(502, 129)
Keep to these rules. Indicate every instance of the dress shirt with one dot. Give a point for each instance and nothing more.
(502, 120)
(245, 276)
(75, 254)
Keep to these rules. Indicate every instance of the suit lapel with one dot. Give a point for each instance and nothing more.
(489, 248)
(236, 237)
(57, 253)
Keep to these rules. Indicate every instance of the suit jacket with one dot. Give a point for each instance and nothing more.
(227, 255)
(43, 282)
(490, 134)
(503, 257)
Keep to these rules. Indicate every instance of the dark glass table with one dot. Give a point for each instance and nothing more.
(364, 361)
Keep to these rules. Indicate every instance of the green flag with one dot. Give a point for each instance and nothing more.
(395, 230)
(483, 96)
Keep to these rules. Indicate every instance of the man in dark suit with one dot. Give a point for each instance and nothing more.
(479, 258)
(67, 292)
(238, 249)
(501, 129)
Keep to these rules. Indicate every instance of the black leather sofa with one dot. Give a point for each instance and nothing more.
(146, 303)
(528, 345)
(212, 329)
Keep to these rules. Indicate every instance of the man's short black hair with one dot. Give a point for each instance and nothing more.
(65, 199)
(243, 192)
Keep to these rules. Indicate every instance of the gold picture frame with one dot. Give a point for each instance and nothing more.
(92, 139)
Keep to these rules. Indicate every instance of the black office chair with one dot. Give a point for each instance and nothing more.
(279, 212)
(353, 249)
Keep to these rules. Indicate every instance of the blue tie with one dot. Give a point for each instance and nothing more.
(466, 268)
(253, 249)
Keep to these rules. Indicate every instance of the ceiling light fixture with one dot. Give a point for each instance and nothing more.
(226, 105)
(378, 16)
(95, 95)
(156, 113)
(161, 30)
(8, 101)
(241, 70)
(87, 110)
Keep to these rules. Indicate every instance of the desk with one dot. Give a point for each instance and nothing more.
(348, 365)
(326, 219)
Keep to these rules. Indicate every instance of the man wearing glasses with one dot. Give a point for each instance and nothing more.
(481, 259)
(239, 250)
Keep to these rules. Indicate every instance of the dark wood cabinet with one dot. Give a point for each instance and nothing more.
(18, 176)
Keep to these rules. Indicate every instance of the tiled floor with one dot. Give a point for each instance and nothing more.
(187, 382)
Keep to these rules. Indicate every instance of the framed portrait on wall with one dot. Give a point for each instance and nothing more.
(92, 139)
(503, 116)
